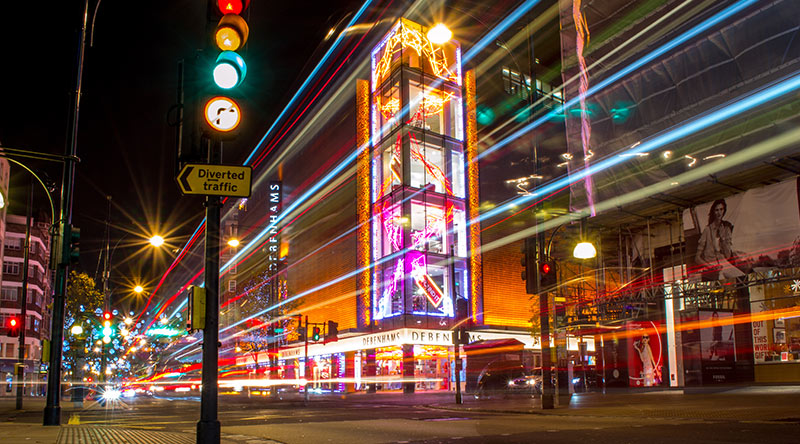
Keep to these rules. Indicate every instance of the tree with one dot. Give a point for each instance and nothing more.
(261, 294)
(83, 299)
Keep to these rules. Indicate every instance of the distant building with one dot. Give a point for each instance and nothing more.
(39, 300)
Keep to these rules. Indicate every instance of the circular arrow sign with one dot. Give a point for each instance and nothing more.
(222, 114)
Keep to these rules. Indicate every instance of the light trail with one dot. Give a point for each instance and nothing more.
(663, 49)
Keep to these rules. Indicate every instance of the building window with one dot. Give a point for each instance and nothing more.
(9, 294)
(10, 267)
(232, 285)
(514, 85)
(14, 243)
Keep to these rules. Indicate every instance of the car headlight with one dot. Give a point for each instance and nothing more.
(111, 395)
(511, 383)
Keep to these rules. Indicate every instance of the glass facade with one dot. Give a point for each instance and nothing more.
(418, 181)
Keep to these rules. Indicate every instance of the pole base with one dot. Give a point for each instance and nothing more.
(208, 432)
(548, 402)
(52, 415)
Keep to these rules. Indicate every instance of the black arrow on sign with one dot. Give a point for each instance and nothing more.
(185, 175)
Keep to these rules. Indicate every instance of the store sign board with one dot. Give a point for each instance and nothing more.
(415, 336)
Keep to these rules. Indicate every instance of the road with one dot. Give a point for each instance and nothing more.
(363, 419)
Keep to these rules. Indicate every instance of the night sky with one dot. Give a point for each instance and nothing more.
(125, 144)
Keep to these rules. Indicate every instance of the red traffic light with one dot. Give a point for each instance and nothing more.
(107, 316)
(232, 6)
(546, 268)
(13, 322)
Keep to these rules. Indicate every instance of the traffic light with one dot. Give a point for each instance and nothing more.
(221, 113)
(13, 327)
(316, 334)
(528, 263)
(196, 308)
(547, 275)
(106, 318)
(333, 332)
(74, 244)
(301, 334)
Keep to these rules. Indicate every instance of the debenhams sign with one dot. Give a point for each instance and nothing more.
(402, 336)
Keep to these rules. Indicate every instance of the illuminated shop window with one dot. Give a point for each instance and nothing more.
(390, 302)
(430, 287)
(433, 110)
(457, 173)
(392, 223)
(387, 110)
(427, 167)
(460, 231)
(428, 226)
(392, 161)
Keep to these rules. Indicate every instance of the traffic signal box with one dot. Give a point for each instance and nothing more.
(544, 272)
(196, 308)
(528, 263)
(12, 327)
(226, 69)
(315, 333)
(332, 333)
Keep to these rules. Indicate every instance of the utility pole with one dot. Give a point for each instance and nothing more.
(548, 401)
(24, 300)
(52, 410)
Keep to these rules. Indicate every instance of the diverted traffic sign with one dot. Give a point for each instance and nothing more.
(215, 180)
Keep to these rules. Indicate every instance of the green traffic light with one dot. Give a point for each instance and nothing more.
(229, 70)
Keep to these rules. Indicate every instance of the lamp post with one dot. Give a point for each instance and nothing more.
(52, 410)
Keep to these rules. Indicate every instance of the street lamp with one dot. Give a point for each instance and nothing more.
(138, 289)
(584, 250)
(440, 34)
(233, 242)
(156, 241)
(76, 330)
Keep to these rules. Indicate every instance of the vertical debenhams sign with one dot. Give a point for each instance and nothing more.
(274, 241)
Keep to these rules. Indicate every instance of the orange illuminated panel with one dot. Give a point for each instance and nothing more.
(363, 204)
(473, 203)
(222, 114)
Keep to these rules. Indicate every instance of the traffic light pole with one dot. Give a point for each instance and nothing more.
(23, 312)
(305, 363)
(52, 410)
(548, 401)
(208, 428)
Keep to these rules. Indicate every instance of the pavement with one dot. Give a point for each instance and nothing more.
(770, 404)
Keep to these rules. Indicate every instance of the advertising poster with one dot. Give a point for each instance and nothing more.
(717, 346)
(615, 360)
(645, 351)
(727, 238)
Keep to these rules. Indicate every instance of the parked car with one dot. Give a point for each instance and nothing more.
(506, 378)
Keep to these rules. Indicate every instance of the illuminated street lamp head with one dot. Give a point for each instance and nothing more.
(584, 250)
(233, 242)
(440, 34)
(156, 241)
(138, 289)
(76, 330)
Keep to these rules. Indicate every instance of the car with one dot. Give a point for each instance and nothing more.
(507, 378)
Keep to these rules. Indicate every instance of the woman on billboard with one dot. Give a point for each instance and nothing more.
(715, 248)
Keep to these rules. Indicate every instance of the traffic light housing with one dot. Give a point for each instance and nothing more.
(332, 334)
(225, 70)
(315, 335)
(548, 276)
(528, 263)
(13, 327)
(301, 334)
(74, 244)
(196, 308)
